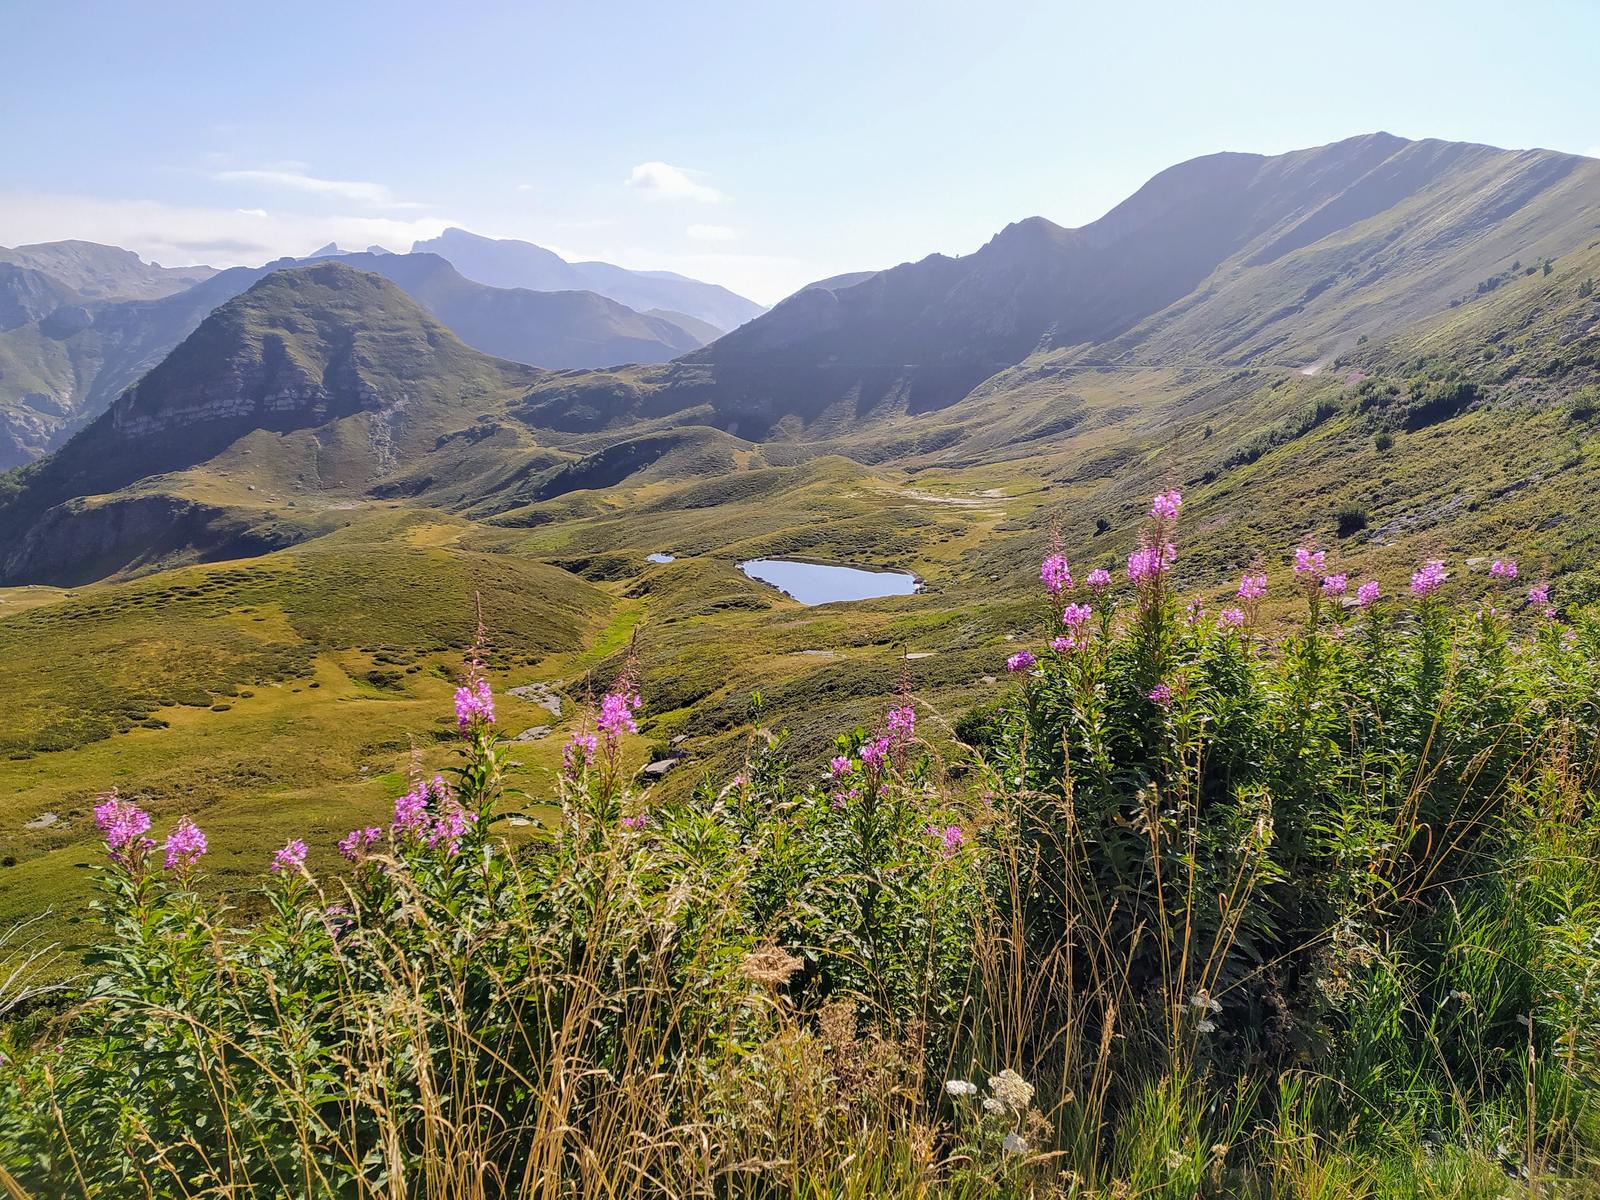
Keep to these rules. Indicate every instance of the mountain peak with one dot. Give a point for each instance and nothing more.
(302, 347)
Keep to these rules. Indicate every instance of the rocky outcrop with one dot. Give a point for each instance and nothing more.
(84, 540)
(258, 389)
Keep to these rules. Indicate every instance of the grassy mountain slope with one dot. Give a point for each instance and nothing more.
(1230, 259)
(226, 685)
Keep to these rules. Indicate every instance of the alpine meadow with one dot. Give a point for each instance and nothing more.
(1111, 714)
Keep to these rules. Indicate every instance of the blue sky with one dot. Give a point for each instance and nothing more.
(756, 144)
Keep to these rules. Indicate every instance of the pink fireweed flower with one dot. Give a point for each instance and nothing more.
(1335, 585)
(578, 753)
(1022, 660)
(185, 845)
(1076, 617)
(1252, 587)
(875, 751)
(1063, 645)
(1427, 578)
(474, 704)
(637, 821)
(292, 857)
(122, 821)
(1505, 568)
(1309, 562)
(412, 812)
(951, 838)
(1055, 574)
(839, 767)
(1161, 694)
(1164, 506)
(1099, 579)
(358, 843)
(450, 826)
(1151, 562)
(902, 724)
(1231, 618)
(1538, 594)
(616, 714)
(1367, 593)
(1196, 613)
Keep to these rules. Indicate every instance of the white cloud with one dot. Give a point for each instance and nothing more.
(714, 233)
(178, 235)
(296, 179)
(662, 181)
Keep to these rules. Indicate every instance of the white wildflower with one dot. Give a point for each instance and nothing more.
(1014, 1143)
(1012, 1091)
(960, 1087)
(1205, 1001)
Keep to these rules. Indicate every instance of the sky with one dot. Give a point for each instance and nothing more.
(756, 144)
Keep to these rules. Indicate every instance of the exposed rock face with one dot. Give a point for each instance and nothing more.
(81, 541)
(258, 391)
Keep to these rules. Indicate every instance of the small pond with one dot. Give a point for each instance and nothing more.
(821, 583)
(658, 557)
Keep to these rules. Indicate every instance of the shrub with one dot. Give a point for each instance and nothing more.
(1434, 400)
(1583, 403)
(1350, 520)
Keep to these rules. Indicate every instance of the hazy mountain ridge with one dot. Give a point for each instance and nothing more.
(510, 263)
(99, 272)
(562, 329)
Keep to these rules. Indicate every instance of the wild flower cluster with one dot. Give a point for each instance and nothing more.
(1195, 910)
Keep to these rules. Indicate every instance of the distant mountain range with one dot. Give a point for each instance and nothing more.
(80, 322)
(512, 264)
(1211, 298)
(97, 272)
